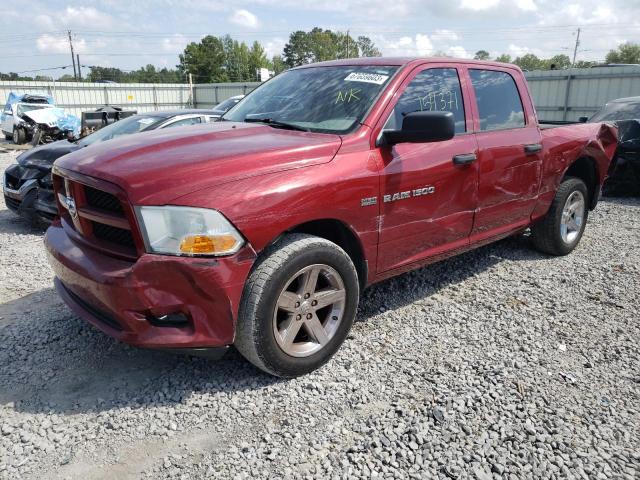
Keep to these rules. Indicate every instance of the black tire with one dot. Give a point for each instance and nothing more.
(8, 136)
(546, 234)
(19, 136)
(255, 337)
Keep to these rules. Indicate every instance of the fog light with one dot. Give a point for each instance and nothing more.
(176, 319)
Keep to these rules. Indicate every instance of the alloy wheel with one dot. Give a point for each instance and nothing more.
(309, 310)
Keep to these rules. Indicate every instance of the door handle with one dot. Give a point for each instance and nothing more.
(464, 159)
(532, 148)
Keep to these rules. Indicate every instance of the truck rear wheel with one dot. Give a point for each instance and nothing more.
(298, 306)
(560, 231)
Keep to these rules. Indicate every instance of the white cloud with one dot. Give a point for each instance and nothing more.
(84, 16)
(458, 51)
(423, 45)
(274, 46)
(518, 51)
(479, 5)
(526, 5)
(244, 18)
(59, 44)
(444, 35)
(174, 43)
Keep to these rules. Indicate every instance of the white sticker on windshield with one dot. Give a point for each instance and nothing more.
(367, 78)
(147, 121)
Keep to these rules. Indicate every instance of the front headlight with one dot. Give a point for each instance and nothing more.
(188, 231)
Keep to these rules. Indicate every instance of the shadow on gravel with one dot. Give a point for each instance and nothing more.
(424, 282)
(53, 362)
(13, 224)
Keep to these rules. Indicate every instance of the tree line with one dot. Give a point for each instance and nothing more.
(223, 59)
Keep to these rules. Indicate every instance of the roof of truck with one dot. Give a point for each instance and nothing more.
(402, 61)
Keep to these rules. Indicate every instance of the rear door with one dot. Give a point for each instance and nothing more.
(428, 196)
(510, 151)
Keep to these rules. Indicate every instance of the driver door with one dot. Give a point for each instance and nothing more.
(429, 190)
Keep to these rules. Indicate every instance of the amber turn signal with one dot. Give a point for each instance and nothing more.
(204, 244)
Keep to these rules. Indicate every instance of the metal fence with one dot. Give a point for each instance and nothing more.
(569, 94)
(76, 97)
(557, 94)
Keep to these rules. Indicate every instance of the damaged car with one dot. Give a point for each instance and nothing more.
(35, 118)
(624, 179)
(27, 186)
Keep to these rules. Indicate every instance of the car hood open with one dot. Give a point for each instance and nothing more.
(157, 167)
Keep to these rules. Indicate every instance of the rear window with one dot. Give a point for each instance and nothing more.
(499, 104)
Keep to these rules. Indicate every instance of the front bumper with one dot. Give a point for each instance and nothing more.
(19, 198)
(122, 298)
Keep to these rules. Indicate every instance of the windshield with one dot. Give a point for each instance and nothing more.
(127, 126)
(227, 104)
(26, 107)
(617, 111)
(320, 99)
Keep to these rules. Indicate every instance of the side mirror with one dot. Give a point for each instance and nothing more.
(422, 127)
(583, 119)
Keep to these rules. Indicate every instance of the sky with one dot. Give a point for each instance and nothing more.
(132, 33)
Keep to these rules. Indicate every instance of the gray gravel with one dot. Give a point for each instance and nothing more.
(501, 363)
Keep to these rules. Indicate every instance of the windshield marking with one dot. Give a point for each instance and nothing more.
(347, 96)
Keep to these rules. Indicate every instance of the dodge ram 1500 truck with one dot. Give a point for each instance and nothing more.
(261, 230)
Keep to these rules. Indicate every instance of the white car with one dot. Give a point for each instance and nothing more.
(12, 125)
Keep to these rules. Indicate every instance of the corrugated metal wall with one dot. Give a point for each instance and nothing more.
(207, 95)
(569, 94)
(143, 97)
(557, 94)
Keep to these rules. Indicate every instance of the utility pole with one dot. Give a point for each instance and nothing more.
(347, 44)
(78, 62)
(73, 57)
(575, 50)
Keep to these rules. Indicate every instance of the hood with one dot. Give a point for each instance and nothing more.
(157, 167)
(48, 116)
(43, 156)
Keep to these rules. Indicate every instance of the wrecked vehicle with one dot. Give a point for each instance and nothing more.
(261, 230)
(27, 186)
(624, 180)
(103, 116)
(35, 118)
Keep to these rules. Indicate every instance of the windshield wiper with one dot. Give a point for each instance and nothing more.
(276, 123)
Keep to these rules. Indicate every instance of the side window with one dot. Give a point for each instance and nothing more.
(183, 122)
(499, 103)
(434, 89)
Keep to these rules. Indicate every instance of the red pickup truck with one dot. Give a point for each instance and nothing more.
(261, 230)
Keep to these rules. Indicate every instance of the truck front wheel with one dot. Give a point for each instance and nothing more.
(560, 231)
(298, 305)
(19, 136)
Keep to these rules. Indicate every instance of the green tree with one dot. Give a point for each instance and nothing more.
(297, 51)
(585, 64)
(205, 60)
(257, 59)
(482, 55)
(557, 62)
(530, 62)
(625, 53)
(367, 47)
(277, 64)
(105, 73)
(319, 45)
(504, 58)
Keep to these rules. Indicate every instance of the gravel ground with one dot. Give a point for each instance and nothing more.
(500, 363)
